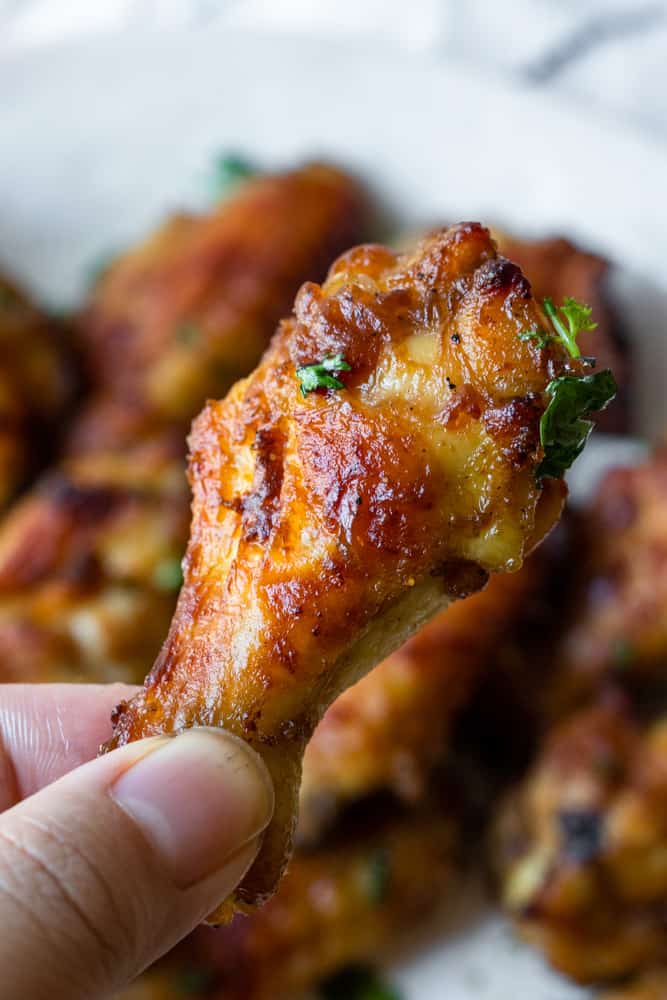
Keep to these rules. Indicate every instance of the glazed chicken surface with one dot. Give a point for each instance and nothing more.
(581, 846)
(650, 985)
(90, 557)
(329, 525)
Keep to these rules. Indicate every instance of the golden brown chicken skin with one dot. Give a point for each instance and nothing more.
(353, 901)
(619, 627)
(582, 846)
(37, 383)
(390, 730)
(188, 312)
(557, 268)
(328, 527)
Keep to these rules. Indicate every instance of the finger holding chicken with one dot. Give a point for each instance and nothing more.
(388, 453)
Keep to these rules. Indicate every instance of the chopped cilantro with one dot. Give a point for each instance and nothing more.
(318, 376)
(378, 875)
(356, 982)
(567, 322)
(563, 427)
(168, 574)
(229, 172)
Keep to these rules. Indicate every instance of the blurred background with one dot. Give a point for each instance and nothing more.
(607, 53)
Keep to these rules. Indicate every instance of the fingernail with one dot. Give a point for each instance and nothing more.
(197, 798)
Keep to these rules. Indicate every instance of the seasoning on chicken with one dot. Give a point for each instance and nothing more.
(328, 525)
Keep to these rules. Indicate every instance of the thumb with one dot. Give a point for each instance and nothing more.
(107, 868)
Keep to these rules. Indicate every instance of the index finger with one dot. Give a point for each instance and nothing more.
(47, 730)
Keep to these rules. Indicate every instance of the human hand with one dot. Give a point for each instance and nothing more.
(105, 863)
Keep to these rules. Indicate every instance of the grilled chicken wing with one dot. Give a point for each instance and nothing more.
(328, 526)
(390, 730)
(37, 383)
(188, 312)
(582, 845)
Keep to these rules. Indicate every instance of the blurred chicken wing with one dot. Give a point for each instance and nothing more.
(353, 901)
(619, 627)
(334, 516)
(37, 383)
(188, 312)
(582, 845)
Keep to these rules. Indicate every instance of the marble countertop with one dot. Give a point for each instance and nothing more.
(610, 55)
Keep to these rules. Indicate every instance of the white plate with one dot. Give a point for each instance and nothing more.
(99, 139)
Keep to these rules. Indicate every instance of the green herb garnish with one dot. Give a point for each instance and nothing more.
(229, 172)
(564, 429)
(567, 322)
(319, 376)
(168, 574)
(541, 337)
(356, 982)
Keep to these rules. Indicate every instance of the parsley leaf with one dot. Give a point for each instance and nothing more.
(356, 982)
(568, 322)
(229, 172)
(564, 430)
(541, 337)
(318, 376)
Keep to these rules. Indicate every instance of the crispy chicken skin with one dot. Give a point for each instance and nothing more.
(354, 900)
(37, 383)
(557, 268)
(327, 529)
(620, 615)
(390, 730)
(582, 845)
(188, 312)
